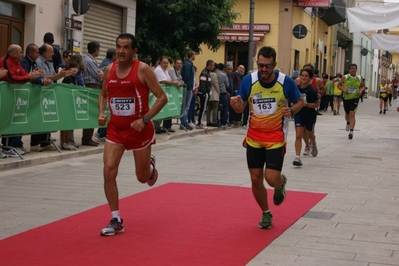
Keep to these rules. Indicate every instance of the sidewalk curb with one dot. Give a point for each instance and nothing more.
(49, 157)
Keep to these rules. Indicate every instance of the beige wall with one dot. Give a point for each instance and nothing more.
(47, 16)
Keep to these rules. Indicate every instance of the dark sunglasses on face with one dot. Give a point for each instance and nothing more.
(260, 65)
(68, 56)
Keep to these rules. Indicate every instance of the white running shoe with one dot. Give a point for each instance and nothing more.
(306, 150)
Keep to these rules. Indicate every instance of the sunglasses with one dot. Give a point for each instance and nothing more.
(260, 65)
(68, 56)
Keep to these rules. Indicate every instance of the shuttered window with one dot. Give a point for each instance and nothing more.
(102, 23)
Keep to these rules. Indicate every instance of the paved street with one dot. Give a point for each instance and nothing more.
(357, 223)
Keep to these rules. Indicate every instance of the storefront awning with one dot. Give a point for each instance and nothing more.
(240, 37)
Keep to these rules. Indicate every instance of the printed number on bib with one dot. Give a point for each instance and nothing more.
(351, 90)
(264, 106)
(122, 106)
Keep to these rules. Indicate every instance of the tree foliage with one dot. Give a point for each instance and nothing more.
(171, 27)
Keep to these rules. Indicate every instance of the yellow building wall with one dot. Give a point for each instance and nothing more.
(301, 45)
(268, 12)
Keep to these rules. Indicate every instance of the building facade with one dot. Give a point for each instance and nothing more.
(24, 22)
(300, 31)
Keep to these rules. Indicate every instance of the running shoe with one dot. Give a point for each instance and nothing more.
(11, 154)
(200, 126)
(315, 151)
(73, 143)
(350, 136)
(114, 227)
(279, 193)
(36, 148)
(347, 127)
(384, 111)
(68, 147)
(3, 154)
(297, 161)
(306, 150)
(21, 151)
(266, 222)
(154, 176)
(380, 112)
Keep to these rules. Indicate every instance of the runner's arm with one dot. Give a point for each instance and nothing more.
(102, 98)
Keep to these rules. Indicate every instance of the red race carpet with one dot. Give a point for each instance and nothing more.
(173, 224)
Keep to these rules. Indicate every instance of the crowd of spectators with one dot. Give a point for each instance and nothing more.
(206, 94)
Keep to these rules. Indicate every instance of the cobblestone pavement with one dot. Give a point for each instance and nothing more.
(356, 224)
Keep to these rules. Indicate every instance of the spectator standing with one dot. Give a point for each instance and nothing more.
(109, 58)
(48, 38)
(163, 77)
(175, 75)
(236, 76)
(101, 133)
(188, 76)
(44, 62)
(230, 90)
(193, 104)
(28, 62)
(92, 79)
(79, 60)
(66, 134)
(15, 74)
(223, 99)
(203, 91)
(213, 103)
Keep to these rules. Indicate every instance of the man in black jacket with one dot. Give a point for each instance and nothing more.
(28, 63)
(203, 91)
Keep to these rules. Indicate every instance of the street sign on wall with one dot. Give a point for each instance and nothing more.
(73, 24)
(314, 3)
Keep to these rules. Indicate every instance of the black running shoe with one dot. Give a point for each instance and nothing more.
(350, 136)
(266, 222)
(279, 193)
(114, 227)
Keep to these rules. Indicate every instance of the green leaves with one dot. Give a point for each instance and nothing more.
(165, 27)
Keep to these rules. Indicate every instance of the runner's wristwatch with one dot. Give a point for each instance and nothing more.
(145, 120)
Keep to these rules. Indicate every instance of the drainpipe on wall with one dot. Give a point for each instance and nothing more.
(65, 30)
(72, 17)
(251, 49)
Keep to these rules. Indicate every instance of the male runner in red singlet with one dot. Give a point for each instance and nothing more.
(127, 85)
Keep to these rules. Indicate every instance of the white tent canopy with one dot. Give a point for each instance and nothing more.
(379, 17)
(385, 42)
(373, 17)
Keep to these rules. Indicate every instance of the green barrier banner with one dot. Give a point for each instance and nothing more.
(173, 106)
(30, 108)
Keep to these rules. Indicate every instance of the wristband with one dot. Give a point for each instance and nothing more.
(241, 104)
